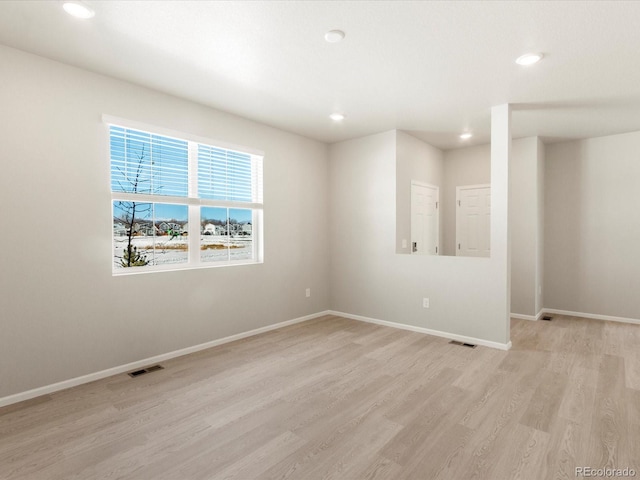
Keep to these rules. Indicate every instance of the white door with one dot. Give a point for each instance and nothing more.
(424, 219)
(473, 220)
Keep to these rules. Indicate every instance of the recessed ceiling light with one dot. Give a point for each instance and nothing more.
(78, 10)
(529, 58)
(466, 136)
(334, 36)
(337, 117)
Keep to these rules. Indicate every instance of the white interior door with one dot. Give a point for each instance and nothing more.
(473, 220)
(424, 219)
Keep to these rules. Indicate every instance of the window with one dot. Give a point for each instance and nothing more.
(180, 203)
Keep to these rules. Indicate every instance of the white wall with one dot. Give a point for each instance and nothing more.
(63, 314)
(524, 208)
(540, 220)
(592, 232)
(462, 166)
(367, 278)
(415, 160)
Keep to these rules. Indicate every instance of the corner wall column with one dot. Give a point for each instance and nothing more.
(500, 241)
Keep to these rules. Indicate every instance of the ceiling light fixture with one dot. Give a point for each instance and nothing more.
(334, 36)
(337, 117)
(466, 136)
(529, 58)
(78, 10)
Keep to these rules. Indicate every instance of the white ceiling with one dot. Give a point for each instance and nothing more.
(433, 69)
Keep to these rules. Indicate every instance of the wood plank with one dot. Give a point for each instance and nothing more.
(545, 402)
(609, 442)
(632, 370)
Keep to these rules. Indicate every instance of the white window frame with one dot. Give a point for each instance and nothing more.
(192, 201)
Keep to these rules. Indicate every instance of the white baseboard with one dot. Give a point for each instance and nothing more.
(528, 317)
(592, 315)
(436, 333)
(36, 392)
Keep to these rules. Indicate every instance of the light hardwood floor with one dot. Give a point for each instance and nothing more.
(339, 399)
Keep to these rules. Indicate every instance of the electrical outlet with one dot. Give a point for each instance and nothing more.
(308, 292)
(425, 302)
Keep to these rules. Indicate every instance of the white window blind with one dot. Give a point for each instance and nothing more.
(147, 163)
(226, 175)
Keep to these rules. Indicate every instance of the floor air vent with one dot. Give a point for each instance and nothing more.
(137, 373)
(462, 344)
(547, 318)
